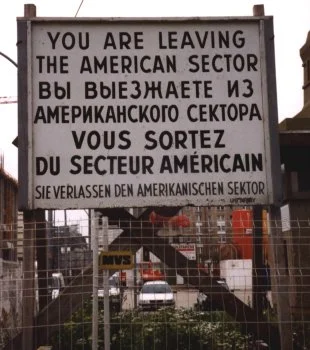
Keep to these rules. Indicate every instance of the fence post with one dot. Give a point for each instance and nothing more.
(94, 245)
(281, 281)
(107, 330)
(42, 258)
(257, 268)
(28, 280)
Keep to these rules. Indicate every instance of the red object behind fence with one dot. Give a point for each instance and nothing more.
(176, 221)
(149, 272)
(242, 228)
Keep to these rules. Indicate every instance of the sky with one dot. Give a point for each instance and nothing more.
(291, 26)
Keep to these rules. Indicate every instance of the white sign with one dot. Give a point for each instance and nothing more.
(186, 249)
(285, 218)
(146, 113)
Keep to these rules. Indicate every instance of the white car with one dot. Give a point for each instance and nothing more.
(154, 295)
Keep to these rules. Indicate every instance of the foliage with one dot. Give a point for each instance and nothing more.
(163, 329)
(4, 328)
(301, 335)
(9, 321)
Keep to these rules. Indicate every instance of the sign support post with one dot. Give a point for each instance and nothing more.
(94, 241)
(106, 286)
(28, 279)
(28, 255)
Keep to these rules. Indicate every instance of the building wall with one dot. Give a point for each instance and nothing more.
(10, 297)
(297, 262)
(8, 216)
(210, 228)
(10, 268)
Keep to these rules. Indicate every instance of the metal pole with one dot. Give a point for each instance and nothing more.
(94, 240)
(89, 227)
(281, 280)
(28, 255)
(28, 280)
(135, 292)
(42, 256)
(198, 238)
(65, 217)
(106, 301)
(257, 262)
(50, 227)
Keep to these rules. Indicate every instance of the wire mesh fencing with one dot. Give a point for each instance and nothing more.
(190, 278)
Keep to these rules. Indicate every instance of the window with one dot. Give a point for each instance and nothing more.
(156, 288)
(303, 181)
(220, 222)
(222, 239)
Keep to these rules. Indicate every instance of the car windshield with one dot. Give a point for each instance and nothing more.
(112, 282)
(156, 288)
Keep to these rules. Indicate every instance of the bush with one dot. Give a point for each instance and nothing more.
(163, 329)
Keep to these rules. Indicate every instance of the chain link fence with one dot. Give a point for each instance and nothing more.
(232, 282)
